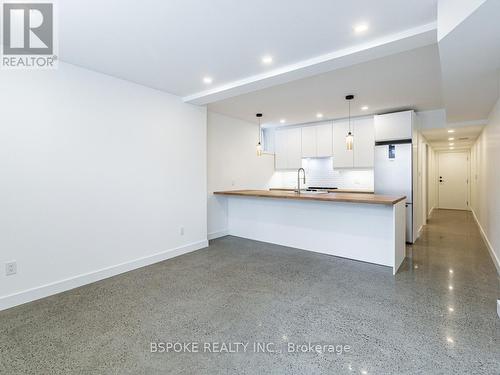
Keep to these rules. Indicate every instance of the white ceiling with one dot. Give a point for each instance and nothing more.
(464, 137)
(318, 58)
(171, 45)
(406, 80)
(470, 61)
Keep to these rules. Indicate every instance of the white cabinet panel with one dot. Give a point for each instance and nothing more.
(364, 142)
(280, 154)
(309, 144)
(342, 158)
(317, 141)
(288, 148)
(324, 140)
(294, 148)
(393, 126)
(362, 154)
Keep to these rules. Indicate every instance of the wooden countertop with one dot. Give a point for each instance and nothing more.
(331, 191)
(327, 197)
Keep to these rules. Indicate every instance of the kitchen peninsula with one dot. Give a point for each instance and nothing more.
(364, 227)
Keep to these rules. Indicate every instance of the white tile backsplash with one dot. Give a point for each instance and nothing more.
(320, 172)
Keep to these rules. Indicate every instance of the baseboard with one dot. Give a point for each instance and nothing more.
(87, 278)
(221, 233)
(493, 255)
(430, 212)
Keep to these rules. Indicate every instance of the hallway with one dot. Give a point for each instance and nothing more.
(437, 316)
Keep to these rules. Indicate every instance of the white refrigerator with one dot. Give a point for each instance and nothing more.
(393, 175)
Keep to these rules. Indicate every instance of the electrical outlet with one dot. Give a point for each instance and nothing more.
(10, 268)
(182, 231)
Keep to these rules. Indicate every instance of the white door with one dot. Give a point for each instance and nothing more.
(453, 180)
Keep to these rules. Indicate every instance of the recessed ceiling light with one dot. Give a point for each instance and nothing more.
(451, 309)
(451, 131)
(208, 80)
(451, 139)
(452, 144)
(450, 287)
(267, 60)
(450, 340)
(360, 28)
(282, 121)
(452, 148)
(319, 115)
(364, 108)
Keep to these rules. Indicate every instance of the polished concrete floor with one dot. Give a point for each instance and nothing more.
(436, 316)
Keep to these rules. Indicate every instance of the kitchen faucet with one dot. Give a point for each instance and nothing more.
(298, 178)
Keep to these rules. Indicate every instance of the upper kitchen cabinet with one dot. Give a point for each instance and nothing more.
(309, 143)
(324, 140)
(362, 155)
(317, 141)
(288, 148)
(280, 149)
(342, 158)
(364, 142)
(394, 126)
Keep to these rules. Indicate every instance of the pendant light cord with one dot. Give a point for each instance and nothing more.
(349, 116)
(260, 135)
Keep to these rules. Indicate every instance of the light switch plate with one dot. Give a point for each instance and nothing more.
(10, 268)
(498, 307)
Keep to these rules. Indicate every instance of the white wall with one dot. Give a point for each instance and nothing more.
(97, 177)
(432, 196)
(232, 164)
(431, 119)
(485, 197)
(427, 188)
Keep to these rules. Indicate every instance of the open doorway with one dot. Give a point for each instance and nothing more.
(453, 180)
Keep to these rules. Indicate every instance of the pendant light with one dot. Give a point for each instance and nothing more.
(259, 145)
(349, 139)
